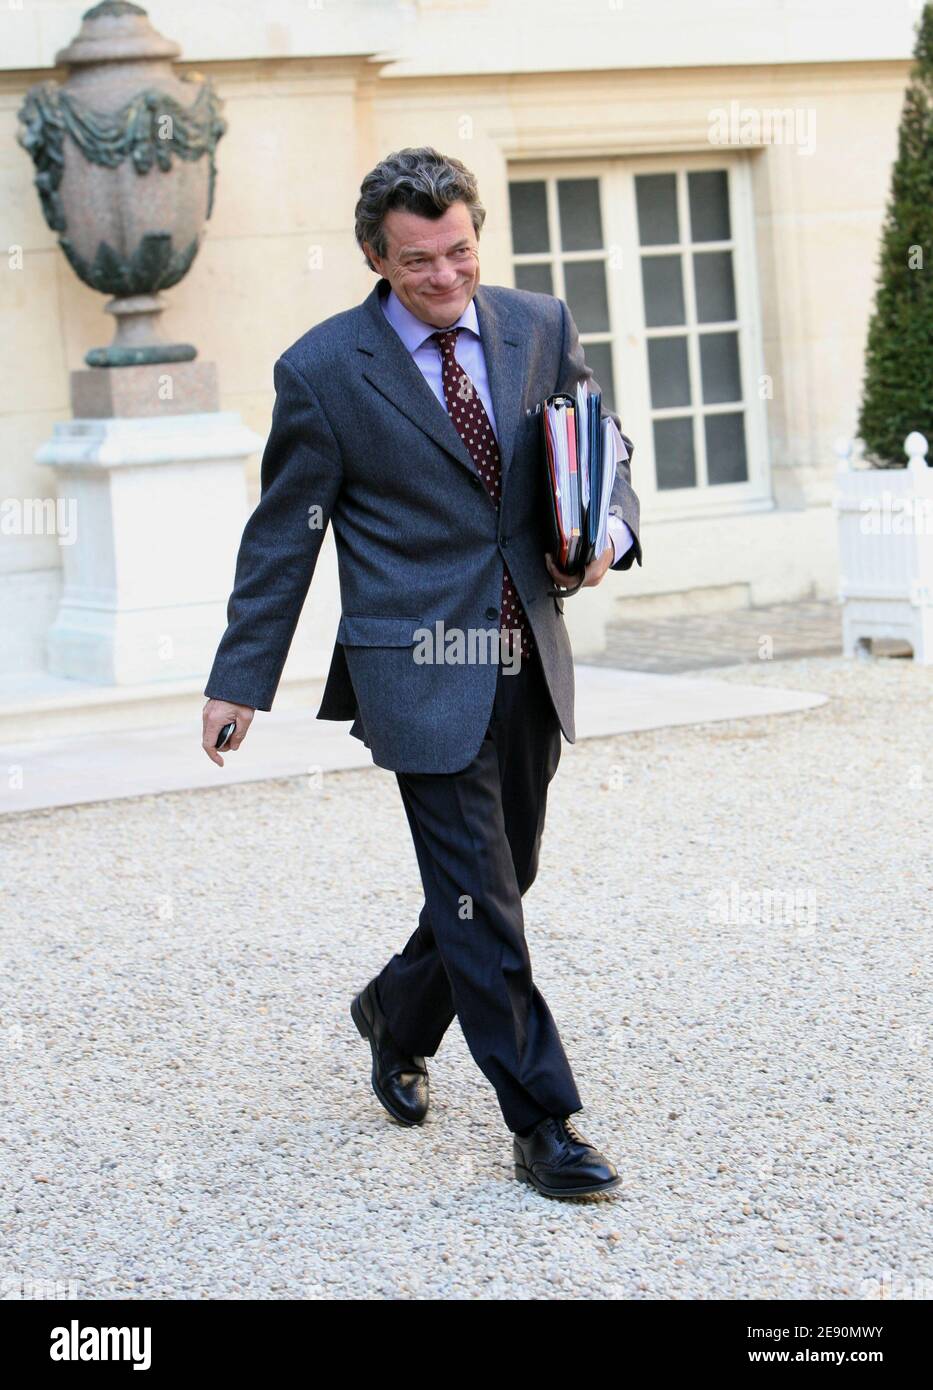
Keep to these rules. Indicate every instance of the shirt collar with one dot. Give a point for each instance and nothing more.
(414, 331)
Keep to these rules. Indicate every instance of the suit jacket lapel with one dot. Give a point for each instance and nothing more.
(505, 365)
(390, 367)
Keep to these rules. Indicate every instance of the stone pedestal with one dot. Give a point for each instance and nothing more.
(162, 388)
(159, 503)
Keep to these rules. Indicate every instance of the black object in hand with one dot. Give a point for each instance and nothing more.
(225, 735)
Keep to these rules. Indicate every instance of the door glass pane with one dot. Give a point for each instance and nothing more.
(585, 283)
(664, 291)
(599, 360)
(674, 460)
(712, 271)
(534, 277)
(656, 197)
(719, 367)
(581, 227)
(528, 202)
(668, 372)
(709, 205)
(726, 461)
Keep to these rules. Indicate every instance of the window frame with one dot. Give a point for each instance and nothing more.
(628, 334)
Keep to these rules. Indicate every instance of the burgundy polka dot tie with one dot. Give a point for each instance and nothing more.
(468, 414)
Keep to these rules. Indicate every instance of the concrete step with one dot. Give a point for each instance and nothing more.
(714, 598)
(39, 706)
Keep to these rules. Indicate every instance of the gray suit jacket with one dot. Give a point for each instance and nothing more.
(359, 440)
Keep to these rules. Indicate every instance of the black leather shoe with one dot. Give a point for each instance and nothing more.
(558, 1161)
(400, 1082)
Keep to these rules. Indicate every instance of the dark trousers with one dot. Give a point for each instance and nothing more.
(476, 834)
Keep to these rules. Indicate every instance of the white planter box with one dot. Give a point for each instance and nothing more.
(885, 519)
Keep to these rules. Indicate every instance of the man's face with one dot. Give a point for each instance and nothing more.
(432, 265)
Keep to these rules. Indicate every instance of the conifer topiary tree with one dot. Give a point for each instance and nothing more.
(897, 394)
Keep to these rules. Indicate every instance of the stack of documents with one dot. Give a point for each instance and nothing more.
(582, 453)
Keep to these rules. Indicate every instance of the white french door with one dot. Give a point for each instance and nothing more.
(655, 258)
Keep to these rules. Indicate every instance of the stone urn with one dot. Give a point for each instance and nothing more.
(124, 156)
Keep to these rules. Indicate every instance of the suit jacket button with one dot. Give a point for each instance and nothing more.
(492, 613)
(476, 481)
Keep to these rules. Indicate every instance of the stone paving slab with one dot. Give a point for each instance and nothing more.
(101, 767)
(688, 642)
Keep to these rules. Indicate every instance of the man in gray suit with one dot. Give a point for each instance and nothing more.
(409, 424)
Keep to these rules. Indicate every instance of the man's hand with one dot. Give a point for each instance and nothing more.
(593, 574)
(216, 714)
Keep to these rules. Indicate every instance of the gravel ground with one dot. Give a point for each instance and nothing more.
(187, 1105)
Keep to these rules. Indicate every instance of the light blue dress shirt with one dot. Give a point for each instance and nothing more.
(416, 335)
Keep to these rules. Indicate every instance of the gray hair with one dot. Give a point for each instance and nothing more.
(417, 180)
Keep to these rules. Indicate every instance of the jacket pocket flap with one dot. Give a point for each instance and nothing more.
(356, 631)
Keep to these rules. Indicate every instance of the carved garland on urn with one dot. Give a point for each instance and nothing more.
(154, 129)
